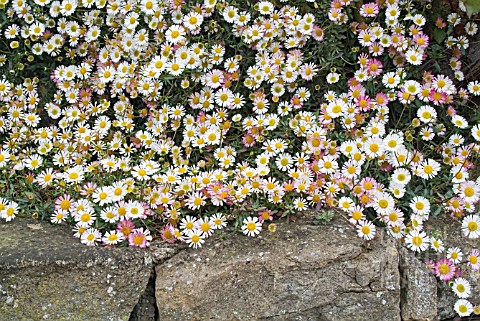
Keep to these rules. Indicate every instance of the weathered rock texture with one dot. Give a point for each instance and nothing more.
(47, 274)
(302, 272)
(419, 289)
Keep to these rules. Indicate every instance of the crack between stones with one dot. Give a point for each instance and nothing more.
(148, 301)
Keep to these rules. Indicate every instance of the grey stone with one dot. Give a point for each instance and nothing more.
(419, 289)
(47, 274)
(301, 272)
(145, 310)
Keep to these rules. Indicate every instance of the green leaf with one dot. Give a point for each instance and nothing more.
(473, 7)
(440, 35)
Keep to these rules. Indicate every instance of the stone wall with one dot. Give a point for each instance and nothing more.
(300, 272)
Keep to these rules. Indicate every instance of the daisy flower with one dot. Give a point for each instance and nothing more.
(218, 221)
(139, 237)
(437, 245)
(474, 87)
(445, 269)
(383, 203)
(195, 200)
(103, 195)
(471, 226)
(251, 226)
(459, 121)
(455, 254)
(373, 147)
(112, 237)
(187, 224)
(463, 308)
(469, 191)
(46, 178)
(420, 205)
(91, 236)
(175, 34)
(68, 7)
(476, 132)
(109, 215)
(366, 230)
(205, 226)
(473, 259)
(428, 168)
(427, 114)
(192, 20)
(300, 204)
(9, 211)
(417, 241)
(401, 176)
(59, 216)
(391, 80)
(461, 287)
(74, 174)
(195, 238)
(135, 210)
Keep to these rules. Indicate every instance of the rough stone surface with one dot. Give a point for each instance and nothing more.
(47, 274)
(145, 310)
(419, 289)
(301, 272)
(451, 233)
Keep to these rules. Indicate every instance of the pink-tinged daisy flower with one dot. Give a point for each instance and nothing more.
(445, 269)
(369, 10)
(437, 97)
(139, 237)
(374, 67)
(248, 140)
(126, 227)
(64, 202)
(421, 40)
(214, 78)
(473, 259)
(440, 23)
(265, 215)
(167, 234)
(88, 189)
(317, 33)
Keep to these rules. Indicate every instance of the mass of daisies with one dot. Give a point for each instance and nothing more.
(134, 119)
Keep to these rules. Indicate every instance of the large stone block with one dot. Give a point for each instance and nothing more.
(419, 289)
(301, 272)
(47, 274)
